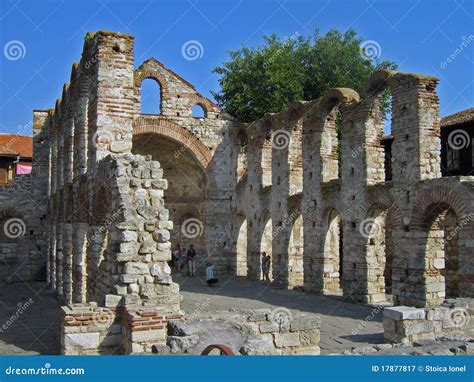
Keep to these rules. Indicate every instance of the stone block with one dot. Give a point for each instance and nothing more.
(136, 268)
(410, 327)
(257, 347)
(310, 337)
(307, 350)
(399, 313)
(283, 340)
(151, 336)
(259, 315)
(112, 300)
(81, 341)
(438, 314)
(147, 247)
(389, 325)
(128, 279)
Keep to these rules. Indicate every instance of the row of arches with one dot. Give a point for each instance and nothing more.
(374, 267)
(370, 136)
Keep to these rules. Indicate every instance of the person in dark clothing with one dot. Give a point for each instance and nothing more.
(191, 256)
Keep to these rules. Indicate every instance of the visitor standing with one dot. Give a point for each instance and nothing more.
(191, 256)
(177, 258)
(266, 272)
(264, 264)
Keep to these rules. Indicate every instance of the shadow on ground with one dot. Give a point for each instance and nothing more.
(344, 325)
(29, 319)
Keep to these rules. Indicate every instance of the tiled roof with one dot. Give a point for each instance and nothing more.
(458, 118)
(16, 145)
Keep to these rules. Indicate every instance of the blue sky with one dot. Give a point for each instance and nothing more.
(420, 35)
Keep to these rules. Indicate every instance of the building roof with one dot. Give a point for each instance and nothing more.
(16, 145)
(458, 118)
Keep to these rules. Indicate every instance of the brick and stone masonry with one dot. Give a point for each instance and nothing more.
(313, 186)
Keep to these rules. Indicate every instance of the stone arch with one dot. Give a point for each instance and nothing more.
(151, 88)
(201, 107)
(197, 99)
(378, 81)
(241, 244)
(436, 245)
(141, 75)
(332, 108)
(435, 196)
(265, 237)
(175, 132)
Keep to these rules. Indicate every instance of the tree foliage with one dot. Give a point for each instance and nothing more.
(271, 77)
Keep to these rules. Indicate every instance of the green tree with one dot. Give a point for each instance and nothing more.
(271, 77)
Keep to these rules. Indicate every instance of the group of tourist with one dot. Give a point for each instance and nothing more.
(181, 258)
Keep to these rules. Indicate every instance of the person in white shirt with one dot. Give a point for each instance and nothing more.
(210, 279)
(177, 254)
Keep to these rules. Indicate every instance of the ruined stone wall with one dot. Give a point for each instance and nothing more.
(199, 197)
(23, 218)
(107, 229)
(403, 324)
(364, 236)
(308, 186)
(20, 259)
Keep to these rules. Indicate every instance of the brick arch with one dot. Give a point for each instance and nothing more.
(175, 132)
(437, 196)
(141, 75)
(197, 99)
(335, 97)
(379, 81)
(163, 127)
(386, 202)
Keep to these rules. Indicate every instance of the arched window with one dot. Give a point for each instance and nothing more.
(199, 111)
(150, 96)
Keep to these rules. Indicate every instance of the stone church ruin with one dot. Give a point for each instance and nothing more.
(341, 209)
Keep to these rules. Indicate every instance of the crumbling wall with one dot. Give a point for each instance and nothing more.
(403, 324)
(368, 236)
(196, 160)
(23, 217)
(108, 231)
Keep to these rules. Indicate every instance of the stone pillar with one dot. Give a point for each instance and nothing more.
(81, 128)
(79, 265)
(111, 99)
(415, 158)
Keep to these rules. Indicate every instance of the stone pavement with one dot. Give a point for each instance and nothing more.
(29, 319)
(343, 324)
(33, 326)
